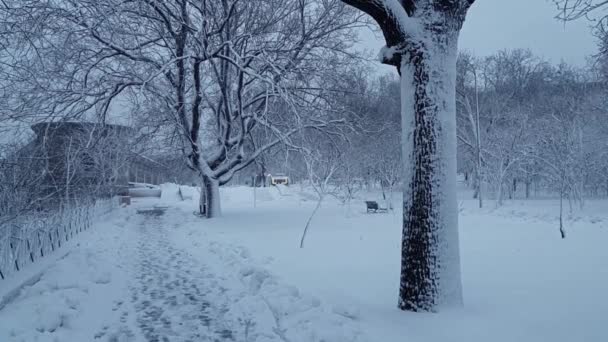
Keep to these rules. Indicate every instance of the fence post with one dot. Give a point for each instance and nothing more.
(71, 226)
(75, 220)
(40, 245)
(14, 255)
(29, 249)
(51, 240)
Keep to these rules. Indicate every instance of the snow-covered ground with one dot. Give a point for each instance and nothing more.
(242, 277)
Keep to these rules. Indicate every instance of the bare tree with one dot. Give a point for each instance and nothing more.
(388, 166)
(577, 9)
(507, 88)
(321, 168)
(107, 154)
(561, 164)
(216, 71)
(470, 134)
(21, 181)
(348, 179)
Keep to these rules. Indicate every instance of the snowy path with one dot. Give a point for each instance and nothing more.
(135, 278)
(174, 298)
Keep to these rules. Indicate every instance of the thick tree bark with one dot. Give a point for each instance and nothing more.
(209, 202)
(202, 200)
(430, 265)
(421, 42)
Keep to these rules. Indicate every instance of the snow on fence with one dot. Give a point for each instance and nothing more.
(30, 238)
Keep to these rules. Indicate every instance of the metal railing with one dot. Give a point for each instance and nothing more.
(33, 236)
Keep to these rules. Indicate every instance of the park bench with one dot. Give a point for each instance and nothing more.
(372, 207)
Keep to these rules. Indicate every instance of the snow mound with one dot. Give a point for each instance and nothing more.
(188, 193)
(264, 194)
(51, 305)
(255, 300)
(172, 193)
(296, 316)
(307, 195)
(71, 298)
(283, 190)
(169, 192)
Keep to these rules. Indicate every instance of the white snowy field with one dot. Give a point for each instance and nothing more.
(242, 277)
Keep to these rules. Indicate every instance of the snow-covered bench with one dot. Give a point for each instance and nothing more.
(143, 190)
(372, 207)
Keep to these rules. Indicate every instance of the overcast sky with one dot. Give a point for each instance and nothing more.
(492, 25)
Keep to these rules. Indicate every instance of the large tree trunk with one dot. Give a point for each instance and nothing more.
(202, 200)
(430, 261)
(421, 41)
(209, 202)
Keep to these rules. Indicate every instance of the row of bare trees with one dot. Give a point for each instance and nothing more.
(54, 187)
(527, 125)
(226, 80)
(63, 164)
(526, 129)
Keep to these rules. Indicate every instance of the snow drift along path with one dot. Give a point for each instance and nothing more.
(80, 293)
(138, 278)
